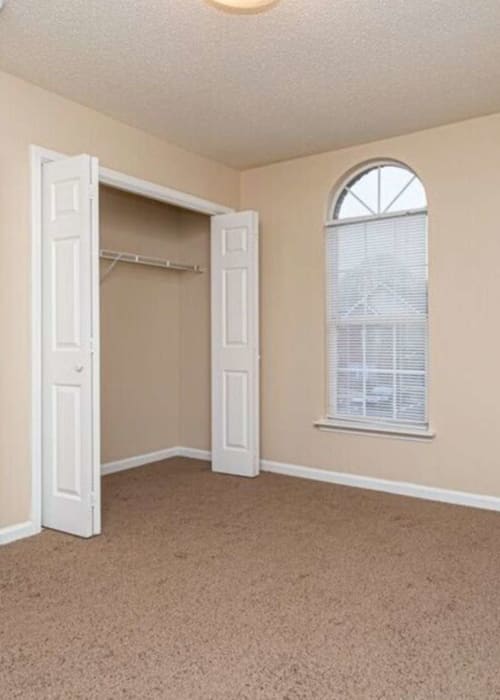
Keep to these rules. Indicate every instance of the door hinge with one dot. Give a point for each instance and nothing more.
(92, 346)
(93, 191)
(93, 501)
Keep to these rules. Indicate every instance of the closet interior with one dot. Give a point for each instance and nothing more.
(155, 326)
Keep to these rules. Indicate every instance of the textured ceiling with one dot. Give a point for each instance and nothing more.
(307, 76)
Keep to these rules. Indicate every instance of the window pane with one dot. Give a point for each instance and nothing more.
(350, 248)
(412, 198)
(381, 263)
(392, 180)
(349, 393)
(379, 395)
(411, 344)
(410, 242)
(366, 188)
(350, 207)
(379, 346)
(380, 298)
(349, 348)
(350, 297)
(380, 242)
(410, 398)
(410, 287)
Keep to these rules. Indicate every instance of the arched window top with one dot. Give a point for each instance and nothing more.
(378, 190)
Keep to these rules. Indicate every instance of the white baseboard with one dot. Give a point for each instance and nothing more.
(150, 457)
(402, 488)
(138, 461)
(194, 453)
(11, 533)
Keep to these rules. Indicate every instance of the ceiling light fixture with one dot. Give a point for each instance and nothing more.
(243, 5)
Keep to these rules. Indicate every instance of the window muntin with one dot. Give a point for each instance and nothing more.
(377, 300)
(380, 190)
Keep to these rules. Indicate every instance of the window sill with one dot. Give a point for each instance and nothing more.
(397, 431)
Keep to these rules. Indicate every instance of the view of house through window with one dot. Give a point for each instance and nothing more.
(376, 250)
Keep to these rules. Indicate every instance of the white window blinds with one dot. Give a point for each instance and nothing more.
(377, 320)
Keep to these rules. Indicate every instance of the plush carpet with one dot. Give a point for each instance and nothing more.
(209, 586)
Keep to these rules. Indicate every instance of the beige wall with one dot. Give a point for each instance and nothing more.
(155, 330)
(140, 329)
(460, 167)
(29, 115)
(195, 334)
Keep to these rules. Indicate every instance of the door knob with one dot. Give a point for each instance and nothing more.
(78, 368)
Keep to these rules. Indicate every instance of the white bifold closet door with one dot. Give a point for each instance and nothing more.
(235, 343)
(70, 360)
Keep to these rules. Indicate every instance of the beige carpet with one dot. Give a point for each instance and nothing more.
(207, 586)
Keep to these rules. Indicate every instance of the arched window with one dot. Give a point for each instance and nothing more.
(376, 253)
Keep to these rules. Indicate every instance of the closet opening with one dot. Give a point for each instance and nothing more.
(155, 330)
(170, 282)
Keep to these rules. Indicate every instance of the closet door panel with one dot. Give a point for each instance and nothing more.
(235, 303)
(70, 457)
(235, 344)
(235, 406)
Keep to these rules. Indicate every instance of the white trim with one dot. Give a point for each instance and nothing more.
(11, 533)
(150, 457)
(36, 158)
(96, 350)
(335, 223)
(401, 488)
(194, 453)
(111, 178)
(397, 430)
(121, 465)
(135, 185)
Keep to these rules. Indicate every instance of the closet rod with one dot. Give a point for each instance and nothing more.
(117, 256)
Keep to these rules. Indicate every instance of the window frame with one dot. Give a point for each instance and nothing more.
(369, 425)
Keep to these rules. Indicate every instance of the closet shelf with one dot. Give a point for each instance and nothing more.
(120, 256)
